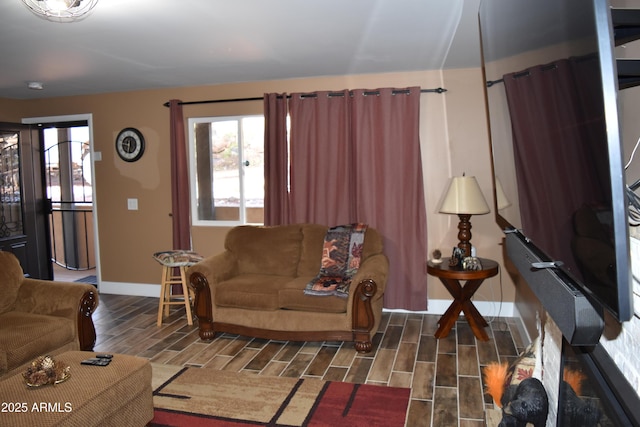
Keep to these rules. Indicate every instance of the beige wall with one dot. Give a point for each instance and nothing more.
(453, 137)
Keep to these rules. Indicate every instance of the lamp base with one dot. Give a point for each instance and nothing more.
(464, 234)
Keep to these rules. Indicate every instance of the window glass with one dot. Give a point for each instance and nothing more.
(227, 170)
(10, 186)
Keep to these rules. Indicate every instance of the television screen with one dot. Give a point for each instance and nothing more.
(552, 105)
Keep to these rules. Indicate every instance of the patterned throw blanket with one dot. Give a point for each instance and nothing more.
(341, 255)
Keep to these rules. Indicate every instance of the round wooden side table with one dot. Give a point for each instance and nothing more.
(451, 278)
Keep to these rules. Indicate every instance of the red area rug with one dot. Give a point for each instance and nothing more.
(202, 397)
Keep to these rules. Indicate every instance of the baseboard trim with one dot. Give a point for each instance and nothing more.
(488, 309)
(132, 289)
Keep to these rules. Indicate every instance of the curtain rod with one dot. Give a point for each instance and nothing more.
(546, 67)
(216, 101)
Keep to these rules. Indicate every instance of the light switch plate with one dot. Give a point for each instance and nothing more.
(132, 204)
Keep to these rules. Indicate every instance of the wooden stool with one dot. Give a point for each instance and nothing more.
(171, 261)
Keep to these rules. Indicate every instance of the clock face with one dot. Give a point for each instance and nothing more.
(130, 144)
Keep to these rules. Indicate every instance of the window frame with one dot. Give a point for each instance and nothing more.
(193, 179)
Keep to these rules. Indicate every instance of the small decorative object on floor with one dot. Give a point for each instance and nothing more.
(528, 403)
(471, 263)
(437, 257)
(45, 370)
(521, 397)
(456, 257)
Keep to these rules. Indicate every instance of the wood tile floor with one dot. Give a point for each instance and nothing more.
(444, 375)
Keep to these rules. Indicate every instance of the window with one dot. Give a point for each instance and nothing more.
(227, 170)
(10, 186)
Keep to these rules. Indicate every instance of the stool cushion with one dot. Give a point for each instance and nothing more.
(177, 258)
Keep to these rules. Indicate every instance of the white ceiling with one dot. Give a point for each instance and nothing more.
(143, 44)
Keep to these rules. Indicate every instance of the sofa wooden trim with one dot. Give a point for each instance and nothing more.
(86, 328)
(362, 320)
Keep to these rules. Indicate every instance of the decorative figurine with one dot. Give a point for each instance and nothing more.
(437, 257)
(456, 257)
(471, 263)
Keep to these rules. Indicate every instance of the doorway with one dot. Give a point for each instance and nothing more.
(68, 178)
(69, 195)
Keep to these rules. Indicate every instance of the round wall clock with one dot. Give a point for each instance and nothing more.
(130, 144)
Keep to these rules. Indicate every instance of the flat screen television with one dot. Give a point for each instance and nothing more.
(557, 154)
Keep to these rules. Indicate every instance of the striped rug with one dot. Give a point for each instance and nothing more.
(208, 397)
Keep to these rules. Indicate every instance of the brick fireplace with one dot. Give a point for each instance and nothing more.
(610, 390)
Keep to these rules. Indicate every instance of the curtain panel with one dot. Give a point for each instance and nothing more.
(389, 192)
(276, 160)
(322, 167)
(180, 199)
(546, 150)
(355, 157)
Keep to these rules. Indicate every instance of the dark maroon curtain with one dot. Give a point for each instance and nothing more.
(276, 160)
(179, 179)
(355, 157)
(389, 192)
(552, 134)
(321, 170)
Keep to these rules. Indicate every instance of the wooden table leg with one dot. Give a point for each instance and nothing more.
(462, 303)
(448, 319)
(450, 316)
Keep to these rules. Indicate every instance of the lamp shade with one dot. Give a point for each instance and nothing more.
(464, 197)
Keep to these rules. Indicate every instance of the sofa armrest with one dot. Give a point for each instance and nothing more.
(203, 278)
(216, 268)
(374, 268)
(74, 301)
(370, 282)
(362, 316)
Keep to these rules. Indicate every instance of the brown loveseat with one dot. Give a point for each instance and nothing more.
(256, 288)
(39, 317)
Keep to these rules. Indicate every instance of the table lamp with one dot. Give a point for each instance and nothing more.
(464, 198)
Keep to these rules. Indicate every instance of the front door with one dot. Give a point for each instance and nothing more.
(23, 219)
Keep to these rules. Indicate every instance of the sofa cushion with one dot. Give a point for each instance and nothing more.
(251, 291)
(311, 249)
(11, 276)
(266, 250)
(24, 336)
(293, 299)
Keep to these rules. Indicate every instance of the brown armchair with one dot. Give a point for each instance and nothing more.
(41, 317)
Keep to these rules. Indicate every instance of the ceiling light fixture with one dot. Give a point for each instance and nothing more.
(61, 10)
(35, 85)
